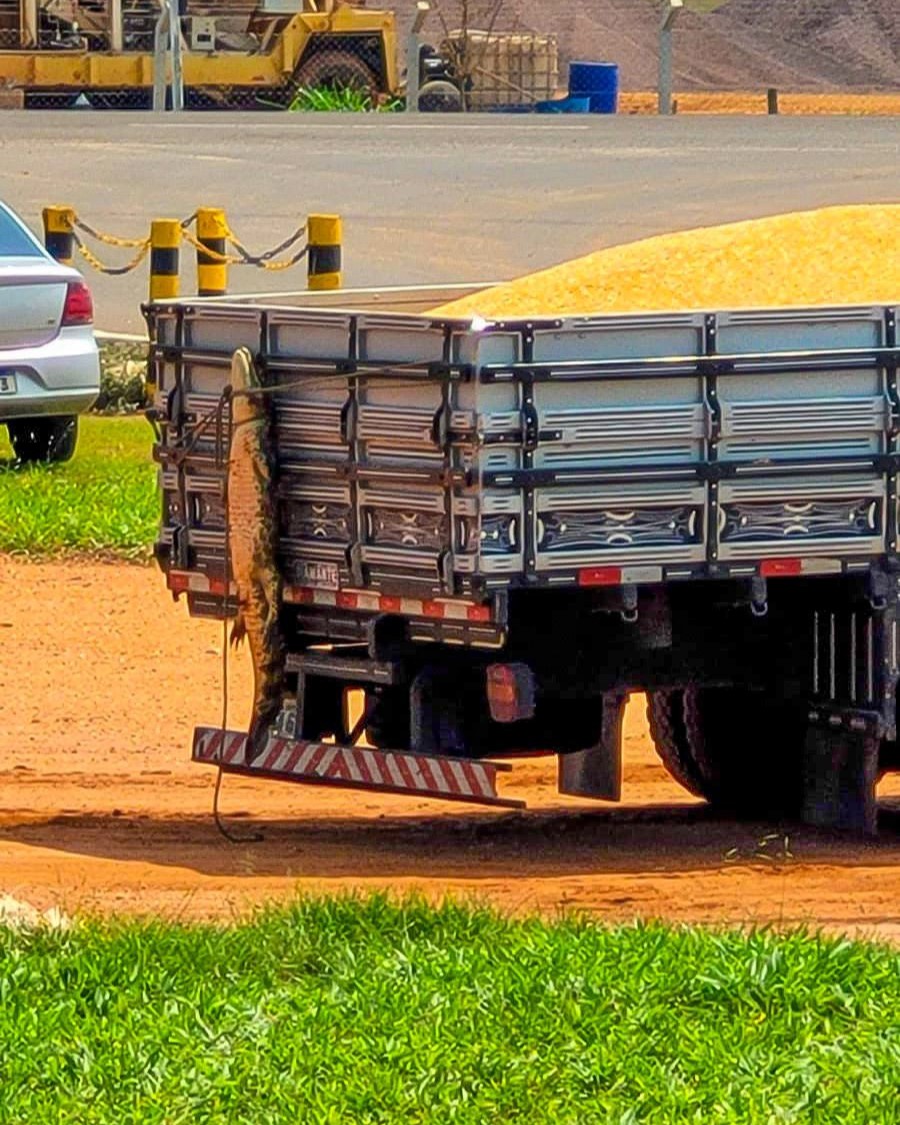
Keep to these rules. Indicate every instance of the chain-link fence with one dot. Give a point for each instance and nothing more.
(479, 55)
(803, 45)
(235, 54)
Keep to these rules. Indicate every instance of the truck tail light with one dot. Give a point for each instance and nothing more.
(510, 692)
(780, 568)
(79, 307)
(600, 576)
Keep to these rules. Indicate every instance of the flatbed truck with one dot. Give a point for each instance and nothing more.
(498, 531)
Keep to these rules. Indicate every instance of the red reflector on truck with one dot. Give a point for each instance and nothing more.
(365, 601)
(780, 568)
(600, 576)
(479, 613)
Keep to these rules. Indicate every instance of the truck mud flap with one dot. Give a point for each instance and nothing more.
(596, 772)
(841, 771)
(355, 767)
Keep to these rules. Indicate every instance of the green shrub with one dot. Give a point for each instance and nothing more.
(123, 375)
(340, 99)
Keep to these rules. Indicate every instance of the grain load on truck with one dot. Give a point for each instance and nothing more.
(832, 256)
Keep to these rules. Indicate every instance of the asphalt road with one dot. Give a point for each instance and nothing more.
(438, 199)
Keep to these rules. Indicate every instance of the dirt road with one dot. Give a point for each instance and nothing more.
(102, 679)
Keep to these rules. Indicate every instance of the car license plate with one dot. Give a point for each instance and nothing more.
(7, 383)
(324, 576)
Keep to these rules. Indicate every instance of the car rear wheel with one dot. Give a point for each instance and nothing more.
(44, 439)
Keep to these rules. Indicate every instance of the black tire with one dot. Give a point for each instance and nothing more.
(388, 725)
(336, 68)
(441, 713)
(44, 439)
(440, 96)
(738, 749)
(665, 715)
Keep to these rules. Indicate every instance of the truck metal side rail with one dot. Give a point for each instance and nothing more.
(441, 460)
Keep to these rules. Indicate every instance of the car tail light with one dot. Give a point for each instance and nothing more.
(79, 307)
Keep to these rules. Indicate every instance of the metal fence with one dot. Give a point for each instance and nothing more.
(235, 54)
(477, 54)
(801, 45)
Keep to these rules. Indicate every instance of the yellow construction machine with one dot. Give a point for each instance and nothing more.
(235, 53)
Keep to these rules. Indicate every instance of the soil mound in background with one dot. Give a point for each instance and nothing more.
(747, 44)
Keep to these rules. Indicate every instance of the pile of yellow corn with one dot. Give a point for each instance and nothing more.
(835, 256)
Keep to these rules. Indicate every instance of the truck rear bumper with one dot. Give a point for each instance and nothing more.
(355, 767)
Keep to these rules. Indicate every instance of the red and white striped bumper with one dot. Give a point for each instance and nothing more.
(355, 767)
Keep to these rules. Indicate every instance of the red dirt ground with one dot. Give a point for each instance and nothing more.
(102, 679)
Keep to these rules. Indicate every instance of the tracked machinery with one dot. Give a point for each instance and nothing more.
(237, 54)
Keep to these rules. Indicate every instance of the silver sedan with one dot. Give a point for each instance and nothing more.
(49, 366)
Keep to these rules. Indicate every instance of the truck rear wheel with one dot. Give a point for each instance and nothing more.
(738, 749)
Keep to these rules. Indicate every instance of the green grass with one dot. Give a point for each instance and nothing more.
(341, 99)
(347, 1011)
(103, 502)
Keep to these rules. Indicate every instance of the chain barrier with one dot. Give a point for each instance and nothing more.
(243, 257)
(108, 239)
(318, 240)
(111, 271)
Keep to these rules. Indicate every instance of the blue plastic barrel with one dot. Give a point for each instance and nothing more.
(597, 80)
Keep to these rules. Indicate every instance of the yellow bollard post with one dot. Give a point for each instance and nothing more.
(165, 240)
(212, 232)
(59, 225)
(325, 234)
